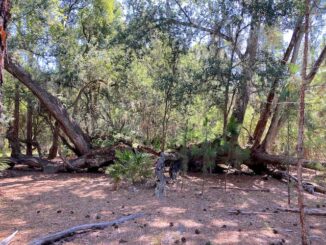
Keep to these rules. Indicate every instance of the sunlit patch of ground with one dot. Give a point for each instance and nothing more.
(37, 204)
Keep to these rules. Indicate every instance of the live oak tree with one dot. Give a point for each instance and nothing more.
(152, 72)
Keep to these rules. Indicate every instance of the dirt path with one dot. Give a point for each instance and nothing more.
(36, 204)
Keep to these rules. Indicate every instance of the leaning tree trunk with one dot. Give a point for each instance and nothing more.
(267, 108)
(277, 122)
(53, 105)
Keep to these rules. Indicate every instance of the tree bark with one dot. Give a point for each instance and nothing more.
(243, 94)
(53, 152)
(279, 116)
(15, 144)
(159, 172)
(259, 157)
(29, 129)
(300, 144)
(4, 19)
(52, 104)
(50, 239)
(267, 109)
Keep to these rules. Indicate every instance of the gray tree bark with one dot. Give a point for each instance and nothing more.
(53, 105)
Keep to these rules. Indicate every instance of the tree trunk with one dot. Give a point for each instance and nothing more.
(4, 19)
(243, 94)
(15, 144)
(259, 157)
(55, 142)
(52, 104)
(277, 122)
(279, 117)
(300, 144)
(267, 109)
(29, 129)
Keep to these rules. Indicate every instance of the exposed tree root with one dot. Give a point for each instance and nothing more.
(82, 228)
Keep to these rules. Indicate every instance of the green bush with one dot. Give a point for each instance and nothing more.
(130, 166)
(3, 164)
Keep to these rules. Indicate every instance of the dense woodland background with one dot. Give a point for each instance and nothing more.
(163, 74)
(129, 87)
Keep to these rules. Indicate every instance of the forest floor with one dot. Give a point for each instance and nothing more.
(37, 204)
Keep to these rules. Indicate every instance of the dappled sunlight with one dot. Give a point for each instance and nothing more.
(221, 222)
(59, 202)
(172, 210)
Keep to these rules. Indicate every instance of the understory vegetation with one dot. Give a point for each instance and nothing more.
(128, 88)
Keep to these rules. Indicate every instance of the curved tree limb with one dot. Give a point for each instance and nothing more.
(82, 228)
(53, 105)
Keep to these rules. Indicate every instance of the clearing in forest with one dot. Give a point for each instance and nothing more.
(38, 204)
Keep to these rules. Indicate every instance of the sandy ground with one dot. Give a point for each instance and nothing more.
(38, 204)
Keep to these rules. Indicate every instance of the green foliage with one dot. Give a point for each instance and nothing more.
(3, 166)
(103, 142)
(134, 167)
(233, 127)
(119, 72)
(209, 157)
(293, 68)
(317, 166)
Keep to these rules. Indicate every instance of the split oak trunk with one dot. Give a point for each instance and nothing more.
(267, 109)
(52, 104)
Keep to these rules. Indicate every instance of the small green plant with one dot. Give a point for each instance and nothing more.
(209, 158)
(130, 166)
(3, 164)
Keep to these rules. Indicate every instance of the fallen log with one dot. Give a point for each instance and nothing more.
(94, 159)
(238, 212)
(240, 189)
(82, 228)
(308, 211)
(307, 186)
(8, 239)
(265, 158)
